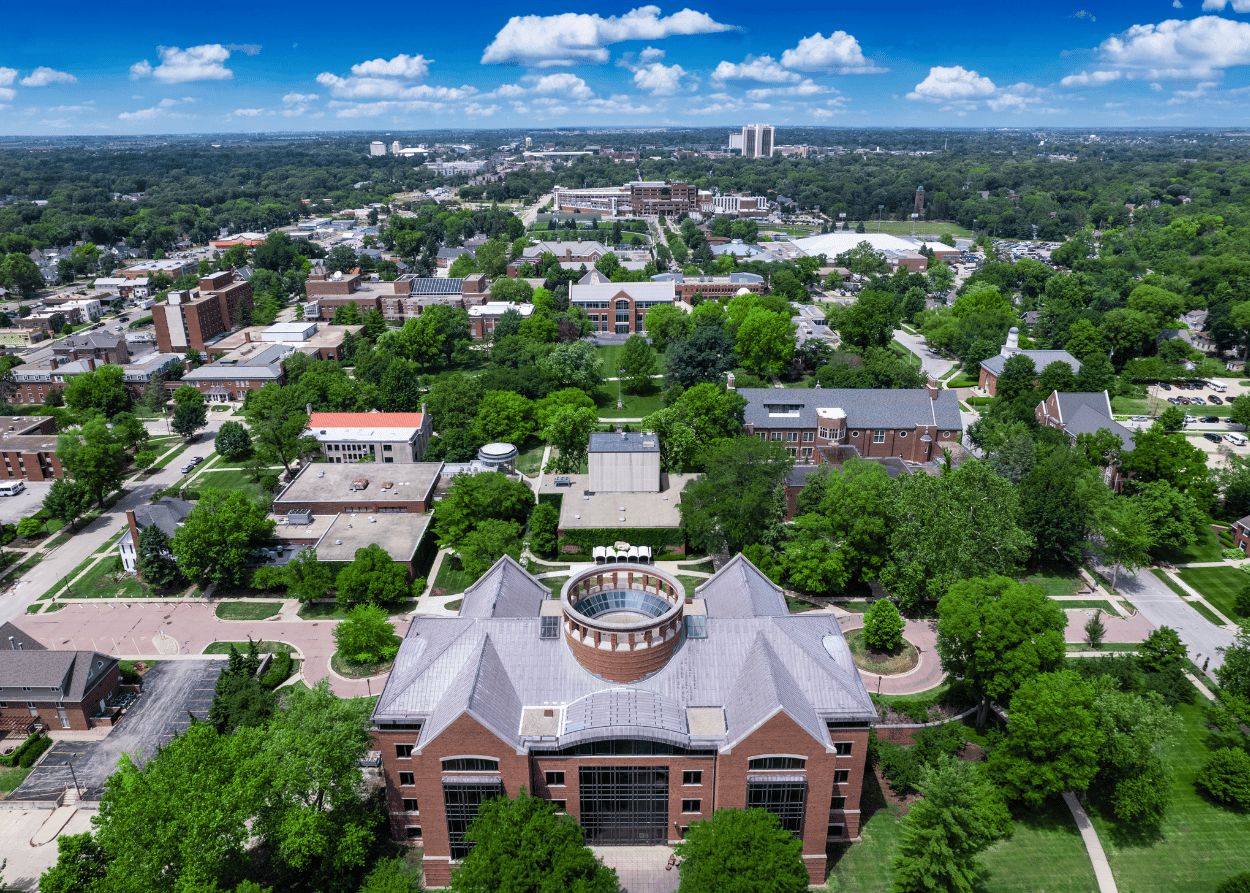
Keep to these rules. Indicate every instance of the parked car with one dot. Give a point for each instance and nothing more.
(1217, 401)
(1137, 418)
(188, 468)
(1175, 401)
(1197, 401)
(1165, 386)
(1210, 419)
(1236, 439)
(1214, 438)
(196, 460)
(1184, 400)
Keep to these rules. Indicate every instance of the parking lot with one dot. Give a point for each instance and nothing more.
(24, 504)
(171, 691)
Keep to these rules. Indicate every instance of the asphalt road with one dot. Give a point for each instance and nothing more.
(930, 361)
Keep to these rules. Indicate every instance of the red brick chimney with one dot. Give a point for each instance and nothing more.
(933, 387)
(52, 363)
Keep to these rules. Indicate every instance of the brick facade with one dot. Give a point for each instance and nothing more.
(78, 714)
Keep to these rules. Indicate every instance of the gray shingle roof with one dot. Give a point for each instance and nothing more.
(166, 514)
(73, 672)
(493, 667)
(1041, 359)
(505, 590)
(1087, 420)
(1071, 401)
(625, 442)
(22, 640)
(864, 408)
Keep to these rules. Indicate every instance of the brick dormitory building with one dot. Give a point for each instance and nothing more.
(57, 689)
(634, 710)
(191, 319)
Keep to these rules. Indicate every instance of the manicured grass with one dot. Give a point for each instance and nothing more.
(555, 584)
(101, 581)
(692, 583)
(899, 661)
(1087, 603)
(541, 567)
(263, 647)
(451, 577)
(797, 605)
(165, 460)
(1218, 585)
(1055, 585)
(454, 604)
(246, 610)
(1106, 648)
(111, 544)
(1044, 855)
(1199, 843)
(610, 358)
(636, 406)
(11, 778)
(322, 611)
(230, 481)
(530, 458)
(902, 351)
(1207, 548)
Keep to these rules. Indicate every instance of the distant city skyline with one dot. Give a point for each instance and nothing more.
(164, 69)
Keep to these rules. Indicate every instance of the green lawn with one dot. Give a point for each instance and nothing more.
(1218, 585)
(1044, 855)
(703, 567)
(1198, 844)
(11, 778)
(637, 406)
(797, 605)
(230, 481)
(530, 458)
(322, 611)
(1055, 585)
(451, 577)
(1208, 548)
(610, 357)
(101, 581)
(247, 610)
(555, 584)
(264, 647)
(904, 353)
(691, 583)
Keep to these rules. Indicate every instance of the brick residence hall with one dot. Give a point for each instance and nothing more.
(634, 710)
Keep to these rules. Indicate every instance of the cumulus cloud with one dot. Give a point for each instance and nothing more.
(1086, 79)
(247, 49)
(413, 68)
(1181, 97)
(1218, 5)
(838, 53)
(945, 84)
(248, 113)
(43, 77)
(764, 69)
(562, 84)
(202, 63)
(651, 54)
(298, 98)
(573, 38)
(1197, 48)
(659, 80)
(6, 78)
(805, 89)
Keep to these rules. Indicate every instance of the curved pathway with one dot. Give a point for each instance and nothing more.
(925, 675)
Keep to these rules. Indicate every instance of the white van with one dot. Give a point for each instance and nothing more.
(1236, 439)
(1217, 387)
(12, 488)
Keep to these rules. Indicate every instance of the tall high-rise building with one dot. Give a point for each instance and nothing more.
(757, 141)
(377, 147)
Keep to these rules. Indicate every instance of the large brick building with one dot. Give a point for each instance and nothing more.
(909, 424)
(620, 307)
(398, 301)
(635, 711)
(190, 320)
(714, 287)
(28, 448)
(993, 367)
(58, 689)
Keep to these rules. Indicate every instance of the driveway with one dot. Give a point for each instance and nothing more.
(171, 691)
(930, 362)
(24, 504)
(1163, 607)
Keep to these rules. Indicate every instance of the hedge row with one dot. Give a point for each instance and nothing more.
(29, 746)
(279, 670)
(655, 537)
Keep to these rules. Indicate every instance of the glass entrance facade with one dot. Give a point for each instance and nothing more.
(624, 805)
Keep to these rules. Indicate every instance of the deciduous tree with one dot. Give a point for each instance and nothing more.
(366, 636)
(93, 456)
(739, 500)
(741, 851)
(220, 536)
(637, 364)
(372, 578)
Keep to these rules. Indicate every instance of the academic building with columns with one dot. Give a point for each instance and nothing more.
(635, 709)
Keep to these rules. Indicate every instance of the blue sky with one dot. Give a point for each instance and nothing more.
(166, 68)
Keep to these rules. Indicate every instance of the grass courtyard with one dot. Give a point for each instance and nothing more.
(230, 481)
(1208, 548)
(1219, 585)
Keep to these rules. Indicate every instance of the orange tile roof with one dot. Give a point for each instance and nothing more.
(365, 420)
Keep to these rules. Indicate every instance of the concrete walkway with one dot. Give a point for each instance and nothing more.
(1102, 868)
(927, 674)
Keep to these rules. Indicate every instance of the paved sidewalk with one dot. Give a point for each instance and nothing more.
(181, 630)
(1102, 868)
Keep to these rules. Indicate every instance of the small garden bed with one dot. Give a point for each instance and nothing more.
(703, 567)
(454, 604)
(247, 610)
(264, 647)
(883, 663)
(344, 667)
(322, 611)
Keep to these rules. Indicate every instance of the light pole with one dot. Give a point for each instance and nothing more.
(880, 211)
(620, 373)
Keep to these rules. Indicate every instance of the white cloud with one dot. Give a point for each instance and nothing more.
(806, 88)
(764, 69)
(1158, 88)
(142, 114)
(1181, 97)
(202, 63)
(562, 84)
(1177, 4)
(299, 98)
(616, 105)
(413, 68)
(838, 53)
(477, 110)
(1197, 48)
(659, 80)
(247, 49)
(573, 38)
(1218, 5)
(248, 113)
(651, 54)
(88, 106)
(945, 84)
(822, 113)
(6, 77)
(42, 77)
(1085, 79)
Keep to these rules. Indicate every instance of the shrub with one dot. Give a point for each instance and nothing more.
(130, 676)
(1238, 883)
(15, 758)
(191, 495)
(366, 636)
(883, 626)
(1095, 630)
(1233, 554)
(899, 766)
(1242, 604)
(1226, 776)
(279, 671)
(34, 752)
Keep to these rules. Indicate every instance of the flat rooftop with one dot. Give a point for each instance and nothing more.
(329, 482)
(325, 336)
(398, 535)
(600, 510)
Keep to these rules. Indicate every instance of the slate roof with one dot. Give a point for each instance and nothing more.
(865, 408)
(757, 659)
(1087, 420)
(18, 635)
(505, 590)
(628, 442)
(1041, 359)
